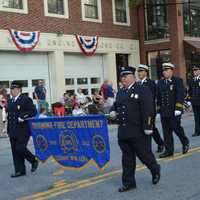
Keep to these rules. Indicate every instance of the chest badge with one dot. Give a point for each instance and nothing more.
(18, 107)
(134, 96)
(171, 87)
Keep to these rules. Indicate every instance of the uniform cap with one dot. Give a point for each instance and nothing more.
(15, 84)
(196, 67)
(127, 70)
(142, 67)
(168, 65)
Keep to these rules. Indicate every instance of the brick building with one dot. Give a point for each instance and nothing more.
(57, 58)
(170, 31)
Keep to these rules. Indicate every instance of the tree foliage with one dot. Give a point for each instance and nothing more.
(135, 3)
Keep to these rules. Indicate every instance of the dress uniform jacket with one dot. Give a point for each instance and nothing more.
(134, 108)
(24, 108)
(152, 86)
(194, 97)
(194, 91)
(170, 96)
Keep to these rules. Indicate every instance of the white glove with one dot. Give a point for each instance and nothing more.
(113, 114)
(177, 112)
(189, 103)
(157, 116)
(20, 119)
(148, 132)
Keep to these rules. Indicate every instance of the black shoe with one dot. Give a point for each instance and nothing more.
(156, 176)
(126, 188)
(34, 166)
(195, 134)
(160, 148)
(165, 154)
(186, 148)
(17, 174)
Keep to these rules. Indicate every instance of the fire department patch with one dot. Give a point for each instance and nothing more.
(98, 144)
(41, 142)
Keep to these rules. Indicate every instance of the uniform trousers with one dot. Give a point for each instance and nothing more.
(20, 153)
(170, 124)
(140, 147)
(156, 135)
(196, 110)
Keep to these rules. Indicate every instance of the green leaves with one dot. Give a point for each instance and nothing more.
(135, 3)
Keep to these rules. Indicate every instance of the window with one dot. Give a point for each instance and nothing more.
(35, 82)
(4, 84)
(82, 81)
(191, 18)
(94, 90)
(56, 8)
(95, 80)
(91, 10)
(156, 19)
(19, 6)
(69, 81)
(121, 61)
(155, 61)
(24, 83)
(121, 12)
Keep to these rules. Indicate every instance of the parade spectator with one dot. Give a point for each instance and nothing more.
(98, 102)
(40, 95)
(77, 110)
(3, 105)
(80, 96)
(108, 93)
(103, 90)
(64, 98)
(90, 107)
(43, 113)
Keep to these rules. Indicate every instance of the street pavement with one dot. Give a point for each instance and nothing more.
(180, 178)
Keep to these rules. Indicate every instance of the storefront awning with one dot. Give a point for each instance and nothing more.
(192, 44)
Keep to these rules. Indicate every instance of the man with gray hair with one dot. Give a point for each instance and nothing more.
(133, 109)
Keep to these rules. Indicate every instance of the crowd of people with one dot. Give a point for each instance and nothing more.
(77, 104)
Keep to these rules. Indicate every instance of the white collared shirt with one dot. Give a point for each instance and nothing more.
(197, 78)
(130, 86)
(15, 98)
(142, 81)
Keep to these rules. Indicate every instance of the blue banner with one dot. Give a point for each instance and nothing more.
(72, 141)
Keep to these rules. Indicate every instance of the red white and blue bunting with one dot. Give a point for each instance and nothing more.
(88, 45)
(25, 41)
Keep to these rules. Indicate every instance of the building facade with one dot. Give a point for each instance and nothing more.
(169, 31)
(57, 58)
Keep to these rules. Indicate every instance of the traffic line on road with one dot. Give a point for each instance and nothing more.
(62, 186)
